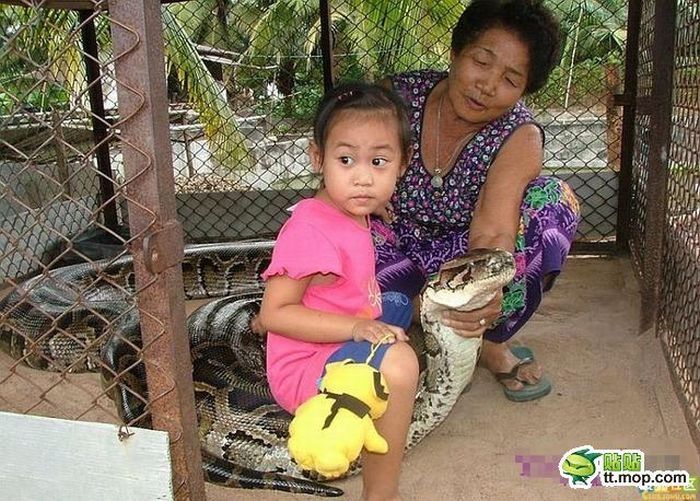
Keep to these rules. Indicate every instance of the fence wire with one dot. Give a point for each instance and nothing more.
(674, 304)
(64, 192)
(679, 316)
(50, 194)
(243, 80)
(243, 84)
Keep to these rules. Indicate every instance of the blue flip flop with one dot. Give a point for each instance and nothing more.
(528, 391)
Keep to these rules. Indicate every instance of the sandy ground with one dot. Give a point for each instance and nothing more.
(611, 390)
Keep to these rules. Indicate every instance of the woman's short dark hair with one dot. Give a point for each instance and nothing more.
(361, 96)
(531, 20)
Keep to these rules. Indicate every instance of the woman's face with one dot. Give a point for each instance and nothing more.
(488, 76)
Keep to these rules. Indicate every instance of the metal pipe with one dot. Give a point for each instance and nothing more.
(326, 45)
(629, 110)
(98, 117)
(157, 244)
(659, 143)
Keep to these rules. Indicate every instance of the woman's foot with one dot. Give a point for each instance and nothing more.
(498, 359)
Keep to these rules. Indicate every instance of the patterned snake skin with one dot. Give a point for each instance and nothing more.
(82, 318)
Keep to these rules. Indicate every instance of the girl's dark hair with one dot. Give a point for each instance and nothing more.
(534, 23)
(361, 97)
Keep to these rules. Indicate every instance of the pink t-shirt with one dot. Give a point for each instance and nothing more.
(318, 238)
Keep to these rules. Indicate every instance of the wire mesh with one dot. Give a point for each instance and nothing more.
(640, 161)
(50, 197)
(679, 319)
(582, 121)
(243, 84)
(244, 79)
(64, 198)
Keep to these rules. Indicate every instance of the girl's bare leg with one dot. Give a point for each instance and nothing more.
(380, 472)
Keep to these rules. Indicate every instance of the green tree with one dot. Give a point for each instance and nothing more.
(374, 37)
(206, 95)
(43, 46)
(39, 58)
(595, 35)
(595, 29)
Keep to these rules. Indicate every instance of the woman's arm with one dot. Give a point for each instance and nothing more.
(497, 213)
(282, 312)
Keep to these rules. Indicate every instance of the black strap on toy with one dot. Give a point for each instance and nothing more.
(345, 401)
(379, 387)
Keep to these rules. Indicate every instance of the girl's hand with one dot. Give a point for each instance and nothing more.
(475, 322)
(377, 332)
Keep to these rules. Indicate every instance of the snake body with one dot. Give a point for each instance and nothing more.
(82, 317)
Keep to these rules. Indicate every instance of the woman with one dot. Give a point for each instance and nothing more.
(474, 179)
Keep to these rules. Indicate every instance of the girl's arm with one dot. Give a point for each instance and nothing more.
(283, 313)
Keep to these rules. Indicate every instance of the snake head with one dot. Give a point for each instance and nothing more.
(477, 275)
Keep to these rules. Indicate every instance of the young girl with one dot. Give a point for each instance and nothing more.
(322, 300)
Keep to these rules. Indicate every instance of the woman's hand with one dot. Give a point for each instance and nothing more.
(475, 322)
(377, 332)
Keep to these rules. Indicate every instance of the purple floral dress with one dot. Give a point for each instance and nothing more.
(432, 224)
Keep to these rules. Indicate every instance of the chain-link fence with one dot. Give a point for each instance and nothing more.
(665, 223)
(246, 78)
(243, 82)
(73, 166)
(83, 179)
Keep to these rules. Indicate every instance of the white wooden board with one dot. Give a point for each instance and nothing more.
(44, 459)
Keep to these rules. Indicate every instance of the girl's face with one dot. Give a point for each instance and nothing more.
(361, 162)
(488, 76)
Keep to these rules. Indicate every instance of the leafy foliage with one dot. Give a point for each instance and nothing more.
(596, 29)
(40, 65)
(274, 48)
(206, 95)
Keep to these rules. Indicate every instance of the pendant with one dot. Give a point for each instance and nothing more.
(436, 181)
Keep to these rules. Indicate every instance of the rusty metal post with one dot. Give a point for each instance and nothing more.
(628, 102)
(157, 246)
(659, 143)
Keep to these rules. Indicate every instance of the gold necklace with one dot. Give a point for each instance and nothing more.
(436, 180)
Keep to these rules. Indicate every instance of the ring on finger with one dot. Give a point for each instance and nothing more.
(482, 322)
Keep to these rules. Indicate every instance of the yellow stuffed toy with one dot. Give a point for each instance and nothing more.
(329, 430)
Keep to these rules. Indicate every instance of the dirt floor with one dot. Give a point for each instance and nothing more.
(611, 390)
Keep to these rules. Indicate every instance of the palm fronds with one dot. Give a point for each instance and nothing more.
(206, 95)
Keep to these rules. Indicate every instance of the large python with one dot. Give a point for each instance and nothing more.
(82, 317)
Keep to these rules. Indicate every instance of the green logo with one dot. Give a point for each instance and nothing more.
(619, 468)
(579, 466)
